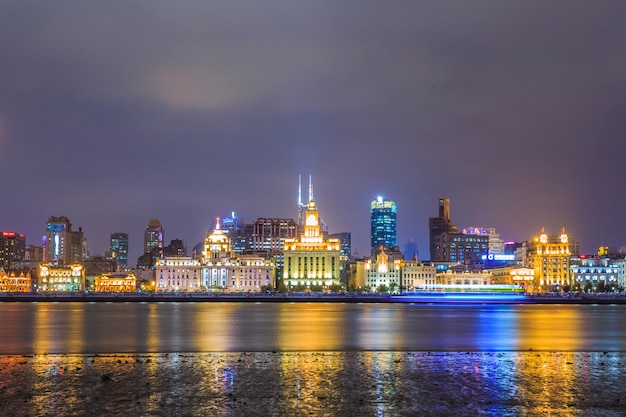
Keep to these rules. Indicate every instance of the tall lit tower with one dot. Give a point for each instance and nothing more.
(383, 223)
(61, 243)
(302, 207)
(12, 248)
(153, 236)
(119, 249)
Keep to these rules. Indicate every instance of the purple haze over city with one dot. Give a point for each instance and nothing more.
(116, 112)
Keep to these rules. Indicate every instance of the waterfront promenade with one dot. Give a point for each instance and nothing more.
(451, 297)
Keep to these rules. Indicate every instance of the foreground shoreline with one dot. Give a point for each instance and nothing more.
(314, 383)
(449, 298)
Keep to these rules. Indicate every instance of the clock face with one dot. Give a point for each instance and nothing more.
(311, 220)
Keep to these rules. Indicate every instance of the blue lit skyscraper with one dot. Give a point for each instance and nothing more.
(119, 249)
(383, 222)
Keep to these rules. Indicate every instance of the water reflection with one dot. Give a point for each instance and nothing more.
(316, 383)
(216, 327)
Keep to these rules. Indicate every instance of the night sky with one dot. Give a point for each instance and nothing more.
(116, 112)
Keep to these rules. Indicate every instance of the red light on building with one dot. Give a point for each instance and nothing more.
(8, 234)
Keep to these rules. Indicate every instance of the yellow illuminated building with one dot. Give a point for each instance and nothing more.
(311, 261)
(549, 257)
(12, 283)
(513, 275)
(116, 282)
(61, 278)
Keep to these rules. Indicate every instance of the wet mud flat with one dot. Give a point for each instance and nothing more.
(314, 384)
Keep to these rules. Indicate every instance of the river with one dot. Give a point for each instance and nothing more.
(153, 327)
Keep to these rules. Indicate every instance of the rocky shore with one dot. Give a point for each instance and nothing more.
(314, 384)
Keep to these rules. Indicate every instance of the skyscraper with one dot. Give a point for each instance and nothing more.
(440, 225)
(119, 249)
(12, 248)
(310, 260)
(153, 236)
(383, 224)
(61, 243)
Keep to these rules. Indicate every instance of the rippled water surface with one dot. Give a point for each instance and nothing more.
(36, 328)
(311, 359)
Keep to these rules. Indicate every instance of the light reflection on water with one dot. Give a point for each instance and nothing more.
(316, 383)
(28, 328)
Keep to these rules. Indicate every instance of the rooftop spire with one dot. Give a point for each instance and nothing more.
(310, 188)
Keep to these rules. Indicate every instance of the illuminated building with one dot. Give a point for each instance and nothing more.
(153, 236)
(463, 278)
(224, 270)
(62, 245)
(61, 278)
(416, 275)
(344, 239)
(596, 273)
(116, 282)
(9, 282)
(12, 248)
(549, 257)
(383, 224)
(439, 225)
(496, 244)
(216, 269)
(461, 248)
(513, 275)
(311, 261)
(384, 273)
(119, 249)
(269, 234)
(179, 273)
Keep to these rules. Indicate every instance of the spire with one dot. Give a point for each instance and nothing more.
(310, 188)
(217, 223)
(299, 190)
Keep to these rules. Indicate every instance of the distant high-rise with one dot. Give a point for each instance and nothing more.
(119, 249)
(153, 236)
(440, 225)
(345, 242)
(12, 248)
(61, 244)
(383, 224)
(410, 250)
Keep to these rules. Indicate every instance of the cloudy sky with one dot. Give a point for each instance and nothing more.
(116, 112)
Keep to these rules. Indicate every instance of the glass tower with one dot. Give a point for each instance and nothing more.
(383, 222)
(119, 249)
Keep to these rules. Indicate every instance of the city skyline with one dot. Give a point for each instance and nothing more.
(113, 115)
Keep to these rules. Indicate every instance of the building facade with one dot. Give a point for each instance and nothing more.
(383, 224)
(465, 278)
(513, 275)
(62, 245)
(461, 248)
(439, 225)
(14, 283)
(12, 248)
(116, 282)
(177, 273)
(549, 257)
(153, 236)
(596, 273)
(61, 278)
(384, 274)
(311, 261)
(119, 249)
(417, 275)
